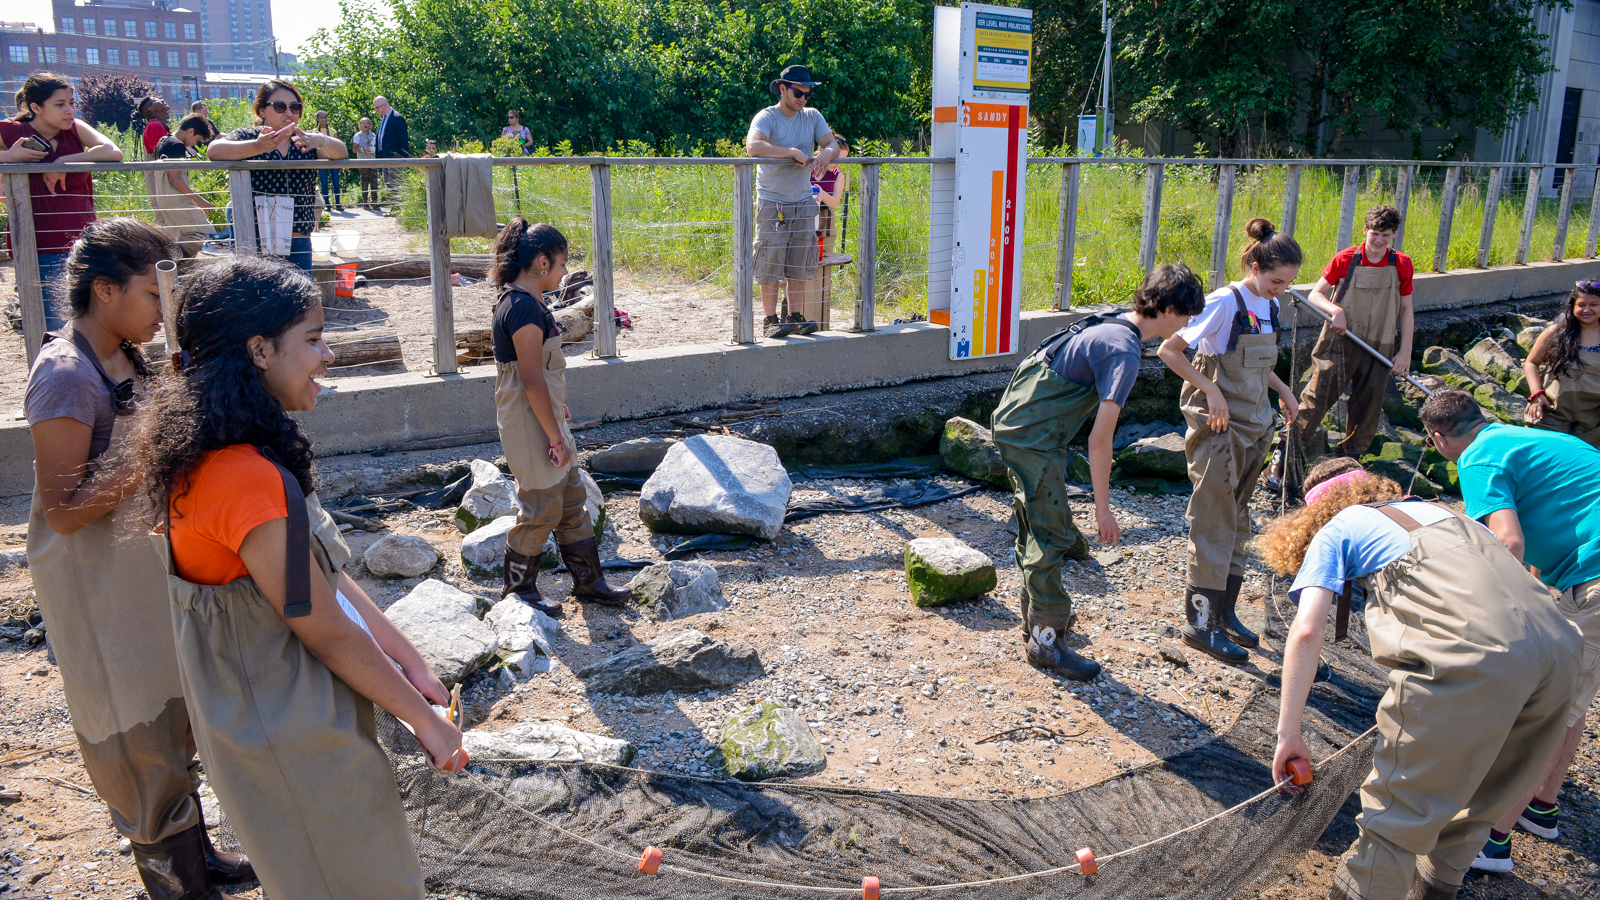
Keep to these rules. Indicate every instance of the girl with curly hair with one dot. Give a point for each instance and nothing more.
(281, 654)
(1563, 368)
(1483, 670)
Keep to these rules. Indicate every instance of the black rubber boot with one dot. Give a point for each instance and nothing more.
(1203, 631)
(588, 579)
(1047, 648)
(222, 866)
(522, 578)
(1231, 626)
(175, 868)
(1025, 604)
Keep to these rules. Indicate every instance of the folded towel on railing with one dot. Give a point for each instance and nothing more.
(468, 195)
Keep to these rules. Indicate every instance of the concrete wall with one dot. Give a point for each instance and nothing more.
(367, 413)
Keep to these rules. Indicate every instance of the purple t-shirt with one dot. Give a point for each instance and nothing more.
(62, 384)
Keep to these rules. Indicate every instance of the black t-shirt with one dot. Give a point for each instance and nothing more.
(515, 310)
(301, 184)
(170, 147)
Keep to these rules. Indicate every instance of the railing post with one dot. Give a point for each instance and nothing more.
(1067, 235)
(1530, 212)
(605, 321)
(1447, 217)
(867, 251)
(1291, 199)
(1347, 208)
(1150, 233)
(1402, 202)
(1563, 215)
(444, 314)
(1220, 225)
(1491, 205)
(244, 212)
(744, 254)
(25, 260)
(1594, 219)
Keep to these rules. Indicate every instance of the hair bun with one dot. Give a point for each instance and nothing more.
(1259, 229)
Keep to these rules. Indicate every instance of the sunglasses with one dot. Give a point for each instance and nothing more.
(281, 107)
(1588, 287)
(803, 95)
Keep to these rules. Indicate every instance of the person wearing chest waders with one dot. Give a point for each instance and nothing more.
(281, 655)
(1224, 401)
(98, 581)
(531, 409)
(1563, 369)
(1088, 369)
(1482, 670)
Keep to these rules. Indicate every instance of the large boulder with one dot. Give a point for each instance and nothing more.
(491, 496)
(968, 449)
(717, 484)
(769, 741)
(1501, 403)
(1159, 457)
(1448, 365)
(523, 634)
(1527, 336)
(684, 661)
(442, 622)
(400, 556)
(546, 742)
(1399, 462)
(483, 552)
(631, 457)
(679, 588)
(944, 570)
(1494, 360)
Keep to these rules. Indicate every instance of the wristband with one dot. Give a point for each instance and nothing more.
(1536, 395)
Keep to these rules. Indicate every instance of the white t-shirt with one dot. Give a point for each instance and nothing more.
(1208, 331)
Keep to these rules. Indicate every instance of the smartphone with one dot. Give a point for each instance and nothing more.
(37, 143)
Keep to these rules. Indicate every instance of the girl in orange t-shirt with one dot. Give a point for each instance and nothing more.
(280, 653)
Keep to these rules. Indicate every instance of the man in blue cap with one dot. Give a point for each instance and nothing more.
(786, 213)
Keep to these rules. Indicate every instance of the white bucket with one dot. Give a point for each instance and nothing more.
(346, 242)
(321, 243)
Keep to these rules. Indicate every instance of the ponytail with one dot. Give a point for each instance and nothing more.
(1268, 248)
(519, 244)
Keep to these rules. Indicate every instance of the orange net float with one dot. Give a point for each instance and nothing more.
(869, 887)
(1086, 863)
(1299, 771)
(650, 861)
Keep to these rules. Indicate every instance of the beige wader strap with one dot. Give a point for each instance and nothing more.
(297, 565)
(1360, 259)
(1341, 618)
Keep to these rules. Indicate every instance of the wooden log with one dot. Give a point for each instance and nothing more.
(416, 265)
(363, 346)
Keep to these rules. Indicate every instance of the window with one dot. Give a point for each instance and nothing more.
(110, 29)
(68, 25)
(171, 29)
(72, 54)
(130, 28)
(152, 58)
(49, 56)
(91, 55)
(193, 59)
(188, 31)
(114, 56)
(19, 53)
(150, 30)
(88, 25)
(172, 59)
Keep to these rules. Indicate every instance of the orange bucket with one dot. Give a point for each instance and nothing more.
(345, 286)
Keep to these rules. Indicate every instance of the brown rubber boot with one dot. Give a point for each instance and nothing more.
(175, 868)
(224, 867)
(588, 579)
(1231, 626)
(521, 577)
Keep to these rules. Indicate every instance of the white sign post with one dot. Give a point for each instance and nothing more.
(982, 56)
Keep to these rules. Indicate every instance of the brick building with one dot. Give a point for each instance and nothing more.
(157, 39)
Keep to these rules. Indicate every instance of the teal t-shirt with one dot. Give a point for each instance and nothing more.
(1552, 480)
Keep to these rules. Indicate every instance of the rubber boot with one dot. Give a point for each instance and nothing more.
(175, 868)
(1204, 629)
(1231, 626)
(522, 578)
(588, 579)
(1025, 604)
(1047, 649)
(224, 867)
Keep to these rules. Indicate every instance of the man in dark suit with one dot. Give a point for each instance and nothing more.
(394, 142)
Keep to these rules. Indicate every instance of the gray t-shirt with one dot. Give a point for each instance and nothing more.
(788, 182)
(1105, 356)
(63, 384)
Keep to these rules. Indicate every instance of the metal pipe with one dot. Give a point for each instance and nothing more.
(167, 284)
(1300, 299)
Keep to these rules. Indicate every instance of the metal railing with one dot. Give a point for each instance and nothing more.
(1394, 180)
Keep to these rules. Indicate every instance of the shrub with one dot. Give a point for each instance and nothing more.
(108, 100)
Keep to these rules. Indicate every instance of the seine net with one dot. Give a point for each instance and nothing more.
(1201, 824)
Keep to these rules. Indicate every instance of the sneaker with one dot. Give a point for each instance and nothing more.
(1541, 822)
(800, 325)
(1494, 857)
(773, 328)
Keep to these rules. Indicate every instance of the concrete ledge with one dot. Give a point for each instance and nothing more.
(362, 414)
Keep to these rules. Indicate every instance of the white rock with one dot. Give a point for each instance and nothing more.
(679, 588)
(717, 484)
(443, 624)
(524, 634)
(15, 556)
(400, 555)
(483, 551)
(544, 742)
(491, 496)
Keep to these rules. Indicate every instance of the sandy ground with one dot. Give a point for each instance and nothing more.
(906, 699)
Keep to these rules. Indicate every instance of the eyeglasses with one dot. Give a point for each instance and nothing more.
(799, 94)
(281, 107)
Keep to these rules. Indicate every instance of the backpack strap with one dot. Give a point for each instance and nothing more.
(1050, 346)
(297, 561)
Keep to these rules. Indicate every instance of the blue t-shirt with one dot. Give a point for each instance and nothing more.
(1105, 357)
(1554, 486)
(1357, 542)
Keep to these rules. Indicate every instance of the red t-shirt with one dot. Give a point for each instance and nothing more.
(1340, 264)
(153, 133)
(231, 492)
(57, 217)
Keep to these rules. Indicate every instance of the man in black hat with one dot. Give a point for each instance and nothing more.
(786, 213)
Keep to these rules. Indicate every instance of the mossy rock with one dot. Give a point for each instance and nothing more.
(768, 741)
(1078, 469)
(968, 449)
(945, 570)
